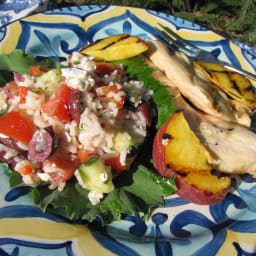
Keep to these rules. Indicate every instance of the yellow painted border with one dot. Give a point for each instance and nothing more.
(45, 230)
(228, 247)
(46, 18)
(10, 42)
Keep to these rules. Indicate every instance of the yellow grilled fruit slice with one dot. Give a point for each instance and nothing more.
(209, 183)
(236, 86)
(184, 151)
(185, 154)
(116, 47)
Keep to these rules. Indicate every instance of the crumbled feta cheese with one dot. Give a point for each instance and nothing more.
(69, 73)
(9, 152)
(50, 168)
(27, 81)
(31, 179)
(45, 177)
(61, 186)
(95, 197)
(75, 83)
(82, 61)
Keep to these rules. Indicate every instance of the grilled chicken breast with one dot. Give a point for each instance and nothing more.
(232, 146)
(192, 85)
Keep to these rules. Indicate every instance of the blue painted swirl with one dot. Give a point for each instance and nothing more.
(82, 12)
(17, 5)
(248, 52)
(185, 218)
(250, 56)
(2, 31)
(139, 227)
(17, 192)
(15, 9)
(106, 240)
(174, 202)
(212, 247)
(127, 22)
(241, 252)
(189, 217)
(51, 39)
(177, 22)
(5, 19)
(248, 178)
(23, 247)
(248, 195)
(28, 211)
(162, 247)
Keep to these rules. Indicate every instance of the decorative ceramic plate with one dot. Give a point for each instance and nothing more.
(180, 228)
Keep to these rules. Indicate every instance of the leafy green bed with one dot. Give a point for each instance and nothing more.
(137, 191)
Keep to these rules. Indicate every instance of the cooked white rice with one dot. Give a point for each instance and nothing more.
(98, 122)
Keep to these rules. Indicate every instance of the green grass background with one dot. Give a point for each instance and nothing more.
(234, 19)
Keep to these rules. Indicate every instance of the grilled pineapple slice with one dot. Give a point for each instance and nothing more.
(116, 47)
(236, 86)
(184, 151)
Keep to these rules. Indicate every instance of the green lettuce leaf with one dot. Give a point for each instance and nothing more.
(144, 194)
(138, 191)
(136, 67)
(19, 62)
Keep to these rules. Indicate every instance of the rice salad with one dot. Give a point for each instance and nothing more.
(83, 120)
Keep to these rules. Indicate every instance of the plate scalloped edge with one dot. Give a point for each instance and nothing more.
(228, 227)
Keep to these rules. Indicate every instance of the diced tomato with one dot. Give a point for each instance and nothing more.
(58, 105)
(108, 68)
(108, 90)
(11, 89)
(83, 155)
(37, 70)
(63, 92)
(65, 164)
(23, 92)
(115, 164)
(25, 170)
(57, 108)
(16, 126)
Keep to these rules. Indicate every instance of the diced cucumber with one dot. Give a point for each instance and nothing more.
(132, 91)
(52, 78)
(122, 141)
(95, 176)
